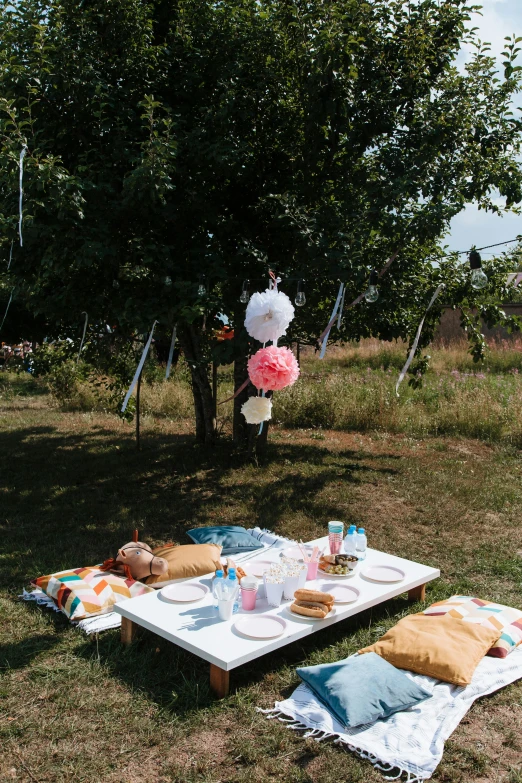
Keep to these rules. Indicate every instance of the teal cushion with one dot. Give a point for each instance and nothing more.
(232, 538)
(362, 689)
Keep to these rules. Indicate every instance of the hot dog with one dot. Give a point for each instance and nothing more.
(310, 609)
(316, 596)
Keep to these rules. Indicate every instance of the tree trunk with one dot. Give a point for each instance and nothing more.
(138, 395)
(204, 404)
(240, 427)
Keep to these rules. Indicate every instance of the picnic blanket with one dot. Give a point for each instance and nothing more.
(410, 742)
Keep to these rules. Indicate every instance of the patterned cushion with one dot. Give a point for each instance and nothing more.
(84, 592)
(486, 613)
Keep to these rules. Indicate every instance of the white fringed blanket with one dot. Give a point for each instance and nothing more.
(409, 742)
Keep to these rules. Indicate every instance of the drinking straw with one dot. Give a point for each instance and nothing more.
(314, 555)
(303, 551)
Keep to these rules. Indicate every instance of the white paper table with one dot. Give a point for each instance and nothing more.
(195, 628)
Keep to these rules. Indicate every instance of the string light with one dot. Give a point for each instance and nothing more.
(478, 278)
(245, 296)
(300, 298)
(202, 290)
(372, 294)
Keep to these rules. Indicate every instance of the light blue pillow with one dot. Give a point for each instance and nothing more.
(362, 689)
(234, 539)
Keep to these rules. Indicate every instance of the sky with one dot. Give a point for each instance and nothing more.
(499, 19)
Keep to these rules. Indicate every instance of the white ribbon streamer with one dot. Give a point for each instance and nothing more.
(10, 255)
(22, 156)
(416, 341)
(341, 308)
(171, 353)
(83, 335)
(7, 308)
(138, 369)
(334, 313)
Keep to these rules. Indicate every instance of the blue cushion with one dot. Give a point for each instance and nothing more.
(362, 689)
(232, 538)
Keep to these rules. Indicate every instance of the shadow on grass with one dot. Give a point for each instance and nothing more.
(70, 499)
(18, 655)
(178, 682)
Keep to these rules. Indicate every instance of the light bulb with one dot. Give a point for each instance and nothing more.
(244, 296)
(479, 279)
(372, 294)
(201, 290)
(168, 281)
(300, 298)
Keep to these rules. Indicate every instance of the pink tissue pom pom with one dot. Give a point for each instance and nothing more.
(273, 368)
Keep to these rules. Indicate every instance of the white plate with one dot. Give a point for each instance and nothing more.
(256, 567)
(184, 593)
(383, 573)
(288, 612)
(260, 626)
(343, 594)
(295, 553)
(337, 576)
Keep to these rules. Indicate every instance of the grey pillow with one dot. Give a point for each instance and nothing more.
(362, 689)
(233, 538)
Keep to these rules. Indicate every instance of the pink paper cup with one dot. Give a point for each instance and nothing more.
(248, 599)
(312, 570)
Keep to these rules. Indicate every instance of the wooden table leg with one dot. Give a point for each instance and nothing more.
(219, 681)
(417, 593)
(128, 630)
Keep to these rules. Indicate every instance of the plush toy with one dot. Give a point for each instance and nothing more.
(136, 561)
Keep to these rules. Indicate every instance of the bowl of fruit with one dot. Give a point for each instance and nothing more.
(338, 565)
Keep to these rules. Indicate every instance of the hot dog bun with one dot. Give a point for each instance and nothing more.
(310, 609)
(316, 596)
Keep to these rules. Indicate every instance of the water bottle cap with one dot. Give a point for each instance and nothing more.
(361, 530)
(352, 529)
(232, 573)
(219, 572)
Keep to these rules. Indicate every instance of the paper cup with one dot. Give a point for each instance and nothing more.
(312, 570)
(274, 592)
(303, 576)
(225, 609)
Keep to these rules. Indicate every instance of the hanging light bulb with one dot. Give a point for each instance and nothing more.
(479, 279)
(201, 287)
(168, 281)
(372, 294)
(245, 296)
(300, 298)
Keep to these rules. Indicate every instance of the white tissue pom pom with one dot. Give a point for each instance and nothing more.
(257, 409)
(268, 315)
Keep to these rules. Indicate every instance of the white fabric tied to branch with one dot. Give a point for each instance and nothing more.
(7, 308)
(83, 335)
(341, 308)
(10, 255)
(332, 319)
(139, 368)
(416, 341)
(22, 156)
(171, 353)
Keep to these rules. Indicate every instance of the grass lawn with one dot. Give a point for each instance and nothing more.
(76, 708)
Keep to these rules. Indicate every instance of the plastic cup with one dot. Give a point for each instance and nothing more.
(312, 570)
(248, 598)
(303, 576)
(225, 608)
(335, 537)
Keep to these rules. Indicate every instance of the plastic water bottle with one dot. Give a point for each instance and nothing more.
(217, 579)
(350, 540)
(360, 543)
(233, 586)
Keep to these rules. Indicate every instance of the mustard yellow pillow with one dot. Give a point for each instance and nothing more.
(186, 562)
(449, 650)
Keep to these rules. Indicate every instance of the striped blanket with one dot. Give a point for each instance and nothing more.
(409, 742)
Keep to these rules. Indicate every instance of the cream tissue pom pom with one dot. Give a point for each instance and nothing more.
(268, 315)
(257, 409)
